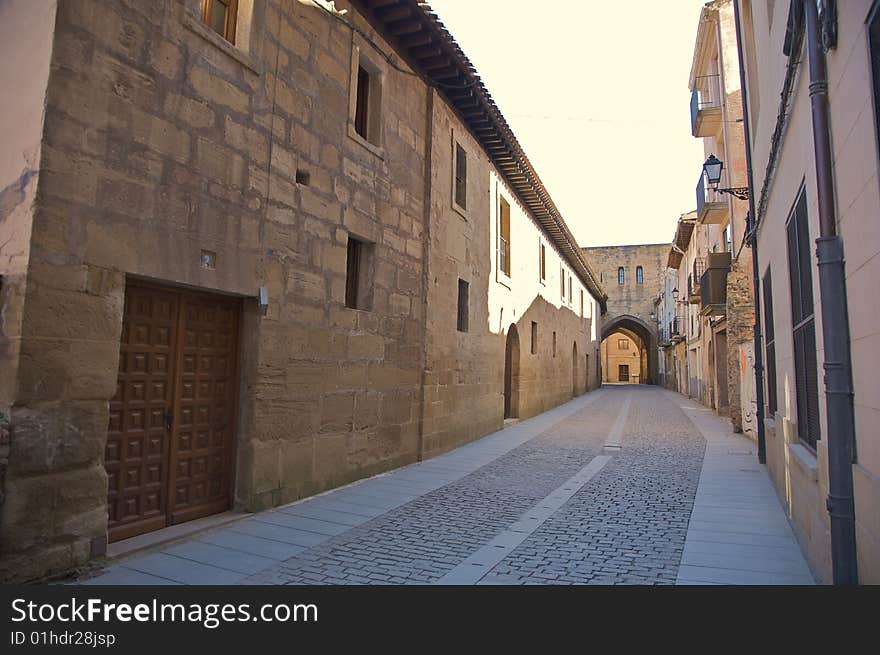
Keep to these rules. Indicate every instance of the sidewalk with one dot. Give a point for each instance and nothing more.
(738, 532)
(261, 541)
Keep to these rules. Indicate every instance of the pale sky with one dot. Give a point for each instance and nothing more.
(597, 94)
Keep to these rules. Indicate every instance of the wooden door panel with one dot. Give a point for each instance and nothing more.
(204, 430)
(137, 443)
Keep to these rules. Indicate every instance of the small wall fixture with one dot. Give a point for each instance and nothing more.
(263, 298)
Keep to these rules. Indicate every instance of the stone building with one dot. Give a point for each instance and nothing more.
(255, 250)
(631, 275)
(679, 325)
(622, 358)
(788, 194)
(722, 281)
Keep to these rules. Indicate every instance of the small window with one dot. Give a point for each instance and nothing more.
(623, 344)
(562, 282)
(504, 237)
(459, 191)
(358, 275)
(874, 50)
(570, 295)
(621, 276)
(463, 306)
(640, 275)
(221, 16)
(366, 100)
(361, 113)
(543, 261)
(534, 338)
(582, 304)
(554, 343)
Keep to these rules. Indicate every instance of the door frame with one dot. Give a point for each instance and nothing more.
(176, 396)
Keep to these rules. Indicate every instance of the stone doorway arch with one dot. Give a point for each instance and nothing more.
(646, 333)
(511, 373)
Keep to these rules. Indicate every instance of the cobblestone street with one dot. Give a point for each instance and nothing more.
(626, 485)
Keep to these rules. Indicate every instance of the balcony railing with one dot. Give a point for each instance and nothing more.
(712, 205)
(706, 105)
(694, 280)
(713, 284)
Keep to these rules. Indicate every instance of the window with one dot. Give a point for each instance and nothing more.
(623, 344)
(562, 282)
(534, 338)
(358, 275)
(504, 237)
(621, 276)
(570, 295)
(803, 322)
(221, 16)
(361, 112)
(542, 255)
(582, 304)
(459, 189)
(554, 344)
(874, 48)
(463, 288)
(366, 101)
(640, 275)
(769, 343)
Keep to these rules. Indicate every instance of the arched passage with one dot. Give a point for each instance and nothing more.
(641, 332)
(511, 373)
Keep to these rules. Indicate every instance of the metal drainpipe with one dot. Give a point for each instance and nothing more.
(835, 322)
(752, 231)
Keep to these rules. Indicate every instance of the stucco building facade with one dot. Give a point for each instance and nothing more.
(727, 302)
(248, 259)
(787, 210)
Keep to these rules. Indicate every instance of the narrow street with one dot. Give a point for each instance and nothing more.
(625, 485)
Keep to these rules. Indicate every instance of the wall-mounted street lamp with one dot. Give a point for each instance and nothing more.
(712, 170)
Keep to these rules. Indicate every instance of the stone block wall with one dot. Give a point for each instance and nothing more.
(740, 330)
(162, 144)
(630, 297)
(464, 375)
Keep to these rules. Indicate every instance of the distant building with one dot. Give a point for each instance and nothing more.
(630, 275)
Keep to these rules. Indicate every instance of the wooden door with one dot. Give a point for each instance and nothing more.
(136, 457)
(203, 434)
(170, 442)
(623, 373)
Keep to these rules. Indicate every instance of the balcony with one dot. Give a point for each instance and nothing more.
(694, 280)
(712, 206)
(706, 106)
(713, 285)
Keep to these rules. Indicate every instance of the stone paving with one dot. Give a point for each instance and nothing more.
(600, 490)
